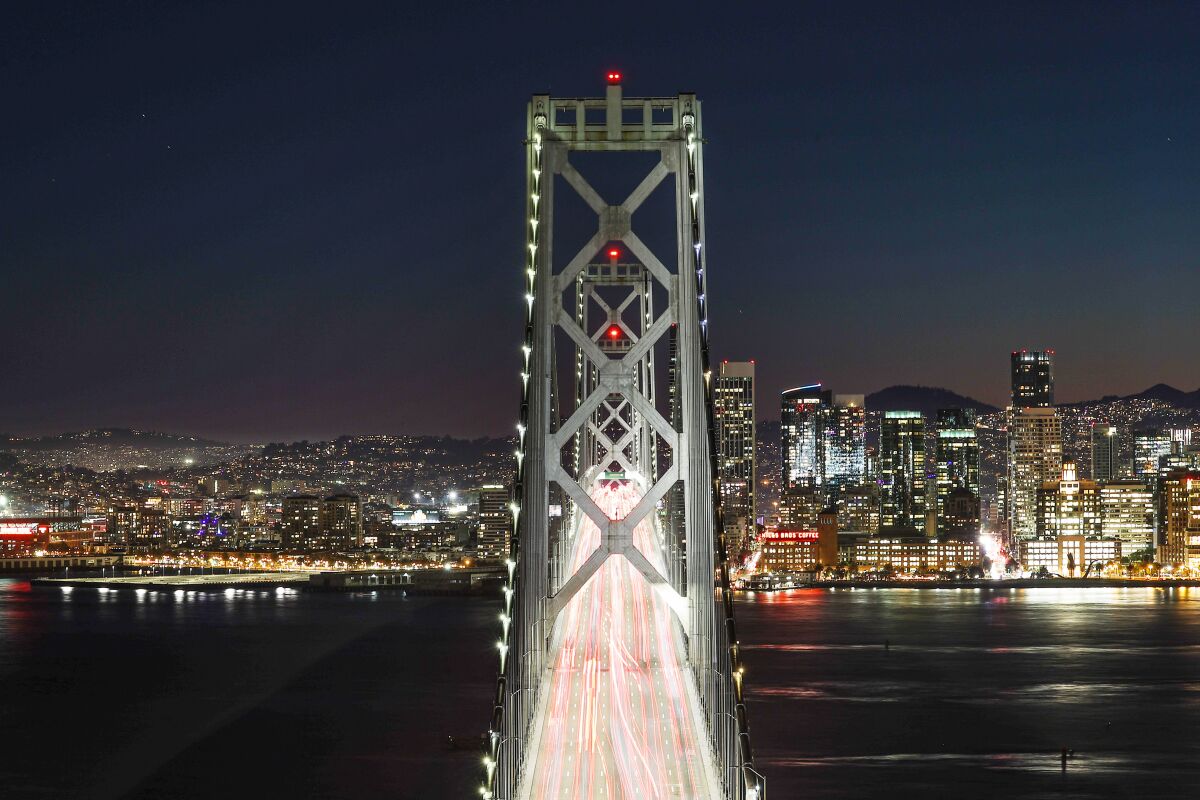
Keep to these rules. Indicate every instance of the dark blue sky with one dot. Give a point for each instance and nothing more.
(279, 221)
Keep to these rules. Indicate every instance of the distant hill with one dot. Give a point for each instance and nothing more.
(108, 437)
(926, 399)
(110, 449)
(1159, 391)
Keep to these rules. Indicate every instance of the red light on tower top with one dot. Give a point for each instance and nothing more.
(614, 331)
(614, 78)
(614, 253)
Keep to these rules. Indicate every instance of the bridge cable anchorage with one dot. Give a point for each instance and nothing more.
(619, 665)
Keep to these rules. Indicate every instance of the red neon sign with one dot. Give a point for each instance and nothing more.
(803, 536)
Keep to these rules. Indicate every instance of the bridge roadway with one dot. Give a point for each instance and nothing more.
(619, 716)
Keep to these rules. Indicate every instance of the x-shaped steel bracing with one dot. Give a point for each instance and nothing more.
(615, 376)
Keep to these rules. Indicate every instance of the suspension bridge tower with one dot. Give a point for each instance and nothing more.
(619, 674)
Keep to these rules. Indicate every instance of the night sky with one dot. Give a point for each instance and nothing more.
(294, 221)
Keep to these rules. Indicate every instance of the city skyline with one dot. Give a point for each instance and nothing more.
(1001, 182)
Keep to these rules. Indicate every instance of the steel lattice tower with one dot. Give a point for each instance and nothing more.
(597, 414)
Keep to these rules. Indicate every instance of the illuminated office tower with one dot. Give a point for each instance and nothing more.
(957, 461)
(800, 421)
(341, 522)
(1106, 453)
(495, 523)
(842, 445)
(733, 412)
(300, 525)
(1068, 506)
(1128, 513)
(1178, 542)
(902, 470)
(1032, 379)
(1148, 448)
(1034, 457)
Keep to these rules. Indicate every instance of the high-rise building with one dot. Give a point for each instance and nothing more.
(957, 460)
(824, 438)
(1068, 506)
(1032, 379)
(800, 422)
(1034, 457)
(858, 508)
(341, 522)
(902, 470)
(300, 525)
(495, 523)
(842, 442)
(959, 515)
(1148, 448)
(733, 413)
(1106, 453)
(799, 506)
(1127, 512)
(1179, 519)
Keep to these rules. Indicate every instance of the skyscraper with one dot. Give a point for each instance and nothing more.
(300, 524)
(957, 460)
(1034, 457)
(733, 412)
(799, 425)
(842, 444)
(495, 523)
(341, 522)
(1127, 512)
(1032, 379)
(1106, 453)
(902, 470)
(1179, 519)
(1148, 448)
(1068, 506)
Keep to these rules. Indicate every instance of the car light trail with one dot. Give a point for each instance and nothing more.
(619, 721)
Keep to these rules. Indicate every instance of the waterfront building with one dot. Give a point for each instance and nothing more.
(788, 550)
(915, 552)
(1034, 457)
(902, 470)
(1127, 513)
(733, 416)
(957, 464)
(1032, 379)
(300, 523)
(799, 422)
(1178, 541)
(494, 537)
(1069, 556)
(1068, 506)
(1106, 453)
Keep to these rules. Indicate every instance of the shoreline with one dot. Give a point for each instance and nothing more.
(1003, 583)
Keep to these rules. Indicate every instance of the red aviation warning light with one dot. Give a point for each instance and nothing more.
(614, 332)
(614, 79)
(614, 253)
